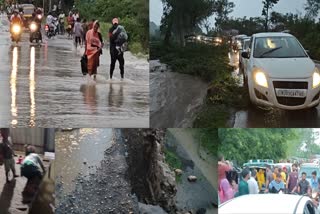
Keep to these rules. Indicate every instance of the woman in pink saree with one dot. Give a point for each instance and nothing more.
(93, 49)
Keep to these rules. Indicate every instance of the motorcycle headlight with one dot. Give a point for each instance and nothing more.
(260, 78)
(316, 78)
(16, 29)
(39, 16)
(33, 27)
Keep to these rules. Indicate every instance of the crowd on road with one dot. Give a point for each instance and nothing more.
(272, 179)
(85, 34)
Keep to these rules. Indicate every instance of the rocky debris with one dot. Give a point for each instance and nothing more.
(192, 178)
(150, 209)
(151, 178)
(157, 66)
(105, 191)
(178, 171)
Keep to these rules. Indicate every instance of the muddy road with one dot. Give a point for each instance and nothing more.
(42, 85)
(170, 105)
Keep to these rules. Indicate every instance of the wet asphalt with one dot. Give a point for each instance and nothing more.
(42, 86)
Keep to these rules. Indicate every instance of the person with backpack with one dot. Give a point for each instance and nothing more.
(118, 37)
(7, 154)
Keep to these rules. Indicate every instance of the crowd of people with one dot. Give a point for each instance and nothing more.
(269, 180)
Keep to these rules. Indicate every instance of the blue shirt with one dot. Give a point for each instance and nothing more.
(314, 183)
(277, 186)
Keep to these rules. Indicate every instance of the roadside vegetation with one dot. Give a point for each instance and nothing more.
(208, 140)
(174, 162)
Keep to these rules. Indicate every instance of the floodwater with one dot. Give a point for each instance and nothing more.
(78, 153)
(203, 193)
(255, 117)
(91, 173)
(42, 85)
(175, 98)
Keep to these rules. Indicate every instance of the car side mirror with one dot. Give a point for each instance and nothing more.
(245, 55)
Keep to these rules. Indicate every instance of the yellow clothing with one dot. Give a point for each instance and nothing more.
(261, 178)
(284, 177)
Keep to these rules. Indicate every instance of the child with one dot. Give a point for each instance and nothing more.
(121, 38)
(78, 32)
(8, 154)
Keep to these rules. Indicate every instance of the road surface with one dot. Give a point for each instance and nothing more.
(253, 117)
(42, 85)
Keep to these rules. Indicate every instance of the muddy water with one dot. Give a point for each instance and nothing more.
(175, 97)
(255, 117)
(42, 85)
(79, 153)
(203, 193)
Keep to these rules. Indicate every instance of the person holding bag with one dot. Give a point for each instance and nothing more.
(93, 49)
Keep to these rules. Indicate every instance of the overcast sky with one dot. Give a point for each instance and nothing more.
(249, 8)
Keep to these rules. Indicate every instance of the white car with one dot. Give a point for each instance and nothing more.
(280, 73)
(269, 204)
(244, 61)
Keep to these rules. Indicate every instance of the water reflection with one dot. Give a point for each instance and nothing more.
(13, 86)
(115, 97)
(32, 87)
(89, 92)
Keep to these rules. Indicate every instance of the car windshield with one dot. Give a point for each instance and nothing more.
(278, 47)
(309, 170)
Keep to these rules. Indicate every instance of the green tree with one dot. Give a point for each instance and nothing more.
(267, 5)
(244, 144)
(222, 9)
(312, 8)
(183, 17)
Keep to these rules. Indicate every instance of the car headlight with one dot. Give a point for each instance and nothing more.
(260, 78)
(33, 27)
(16, 29)
(316, 78)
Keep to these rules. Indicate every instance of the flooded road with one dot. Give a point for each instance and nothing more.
(175, 98)
(255, 117)
(43, 86)
(79, 152)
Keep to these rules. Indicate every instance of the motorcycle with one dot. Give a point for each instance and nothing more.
(16, 31)
(52, 29)
(50, 32)
(35, 32)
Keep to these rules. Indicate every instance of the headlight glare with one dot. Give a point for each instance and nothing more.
(316, 78)
(260, 79)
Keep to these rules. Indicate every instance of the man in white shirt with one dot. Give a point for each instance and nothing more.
(252, 183)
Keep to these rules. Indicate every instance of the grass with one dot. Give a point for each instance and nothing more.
(211, 64)
(173, 161)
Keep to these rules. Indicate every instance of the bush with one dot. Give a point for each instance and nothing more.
(207, 62)
(136, 48)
